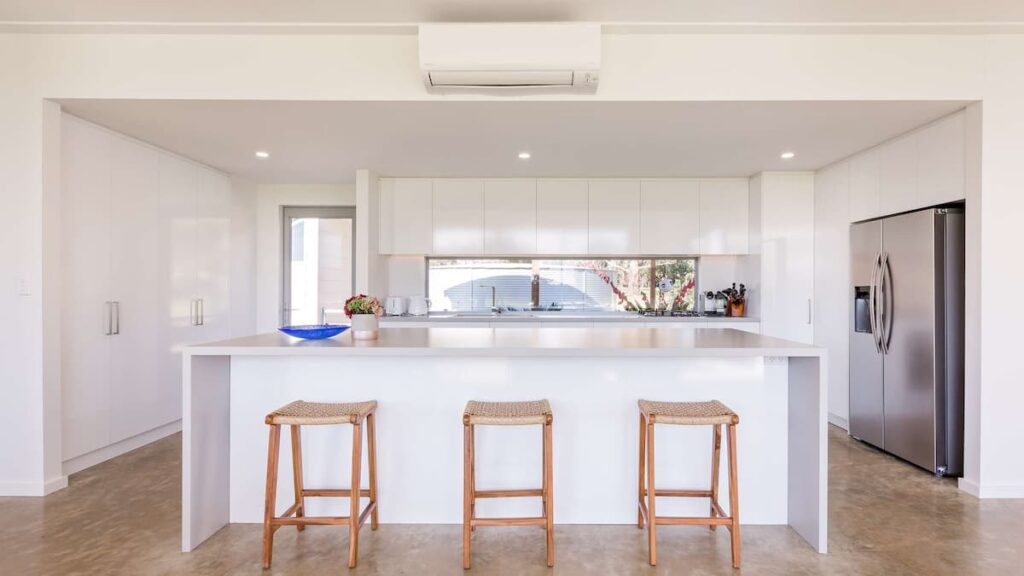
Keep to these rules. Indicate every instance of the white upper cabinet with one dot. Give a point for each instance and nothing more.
(458, 217)
(406, 216)
(723, 216)
(669, 217)
(864, 202)
(917, 170)
(562, 220)
(510, 217)
(940, 166)
(897, 175)
(614, 213)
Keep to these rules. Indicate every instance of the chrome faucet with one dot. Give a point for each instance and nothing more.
(494, 299)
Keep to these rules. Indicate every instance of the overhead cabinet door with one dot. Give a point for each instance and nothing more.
(864, 191)
(459, 217)
(723, 216)
(510, 217)
(614, 214)
(669, 217)
(897, 176)
(940, 166)
(406, 216)
(562, 216)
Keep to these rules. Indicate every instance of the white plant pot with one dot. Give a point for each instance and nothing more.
(365, 327)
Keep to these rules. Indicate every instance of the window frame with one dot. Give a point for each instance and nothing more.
(653, 258)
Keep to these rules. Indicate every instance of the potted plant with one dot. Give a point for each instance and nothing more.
(364, 311)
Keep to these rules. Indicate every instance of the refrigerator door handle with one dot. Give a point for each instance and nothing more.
(887, 304)
(873, 302)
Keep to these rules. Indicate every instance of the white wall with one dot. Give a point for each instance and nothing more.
(271, 199)
(407, 276)
(244, 196)
(371, 66)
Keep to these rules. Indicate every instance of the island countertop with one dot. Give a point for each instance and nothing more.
(422, 377)
(540, 342)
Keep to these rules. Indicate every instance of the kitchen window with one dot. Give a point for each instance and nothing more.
(580, 284)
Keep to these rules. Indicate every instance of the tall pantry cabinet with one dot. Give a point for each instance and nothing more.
(145, 252)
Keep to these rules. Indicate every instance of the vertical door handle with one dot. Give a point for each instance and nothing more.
(117, 317)
(873, 319)
(810, 311)
(202, 312)
(108, 306)
(888, 302)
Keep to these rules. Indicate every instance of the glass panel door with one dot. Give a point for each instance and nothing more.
(318, 260)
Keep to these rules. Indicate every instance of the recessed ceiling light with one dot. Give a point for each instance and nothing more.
(524, 155)
(262, 154)
(787, 155)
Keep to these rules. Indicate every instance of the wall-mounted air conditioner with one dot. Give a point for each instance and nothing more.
(503, 56)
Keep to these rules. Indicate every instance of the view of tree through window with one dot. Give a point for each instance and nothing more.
(593, 284)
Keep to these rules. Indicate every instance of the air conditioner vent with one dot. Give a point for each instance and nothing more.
(496, 56)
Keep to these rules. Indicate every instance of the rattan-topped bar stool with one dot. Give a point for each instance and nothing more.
(716, 415)
(299, 414)
(505, 414)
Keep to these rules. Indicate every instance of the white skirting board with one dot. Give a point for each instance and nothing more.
(79, 463)
(33, 488)
(986, 491)
(839, 421)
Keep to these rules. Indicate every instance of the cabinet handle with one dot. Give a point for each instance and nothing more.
(108, 305)
(810, 311)
(202, 312)
(117, 317)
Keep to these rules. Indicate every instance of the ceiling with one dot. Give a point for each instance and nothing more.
(404, 11)
(320, 142)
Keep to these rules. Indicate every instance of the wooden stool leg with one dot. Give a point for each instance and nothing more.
(300, 503)
(353, 521)
(472, 475)
(716, 456)
(652, 522)
(549, 493)
(640, 473)
(271, 494)
(734, 502)
(467, 492)
(371, 448)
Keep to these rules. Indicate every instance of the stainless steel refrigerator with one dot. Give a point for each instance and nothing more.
(907, 337)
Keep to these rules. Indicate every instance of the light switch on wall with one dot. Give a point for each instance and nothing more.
(24, 287)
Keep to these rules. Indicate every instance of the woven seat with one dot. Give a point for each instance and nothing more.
(507, 413)
(301, 413)
(688, 413)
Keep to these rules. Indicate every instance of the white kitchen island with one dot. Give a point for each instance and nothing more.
(422, 378)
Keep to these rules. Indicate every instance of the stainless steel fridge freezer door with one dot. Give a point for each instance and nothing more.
(866, 384)
(909, 360)
(949, 363)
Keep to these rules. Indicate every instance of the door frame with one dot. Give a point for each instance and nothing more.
(290, 212)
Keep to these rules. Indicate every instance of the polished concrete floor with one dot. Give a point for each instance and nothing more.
(123, 517)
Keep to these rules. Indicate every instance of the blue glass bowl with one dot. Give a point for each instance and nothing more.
(314, 331)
